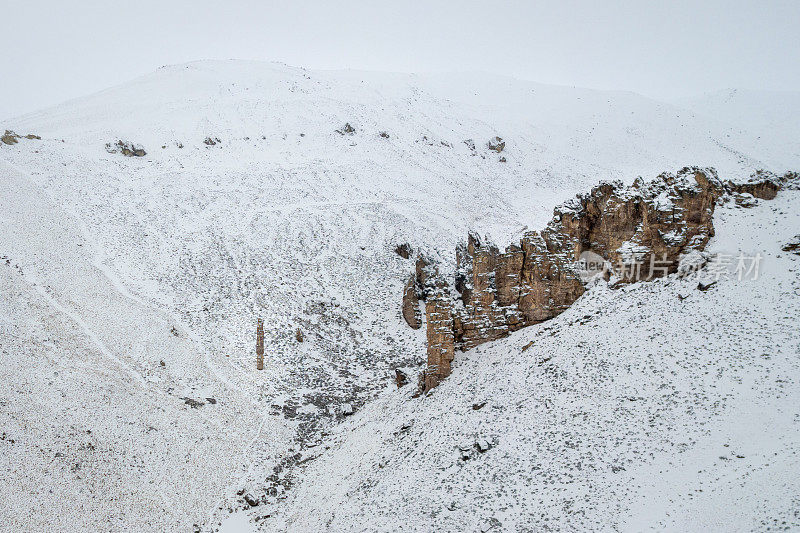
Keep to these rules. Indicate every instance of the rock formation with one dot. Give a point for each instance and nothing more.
(260, 345)
(637, 233)
(496, 144)
(761, 185)
(411, 304)
(126, 148)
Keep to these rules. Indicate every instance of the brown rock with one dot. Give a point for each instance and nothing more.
(641, 231)
(125, 148)
(403, 250)
(764, 185)
(400, 377)
(411, 304)
(9, 137)
(260, 345)
(497, 144)
(441, 340)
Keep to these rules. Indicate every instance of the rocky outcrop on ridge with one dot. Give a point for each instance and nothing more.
(624, 234)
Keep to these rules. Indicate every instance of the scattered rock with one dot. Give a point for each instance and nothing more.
(194, 404)
(347, 129)
(471, 145)
(465, 448)
(793, 245)
(174, 331)
(31, 136)
(9, 137)
(705, 285)
(126, 148)
(497, 144)
(298, 335)
(502, 159)
(384, 135)
(401, 377)
(212, 401)
(525, 348)
(403, 250)
(211, 142)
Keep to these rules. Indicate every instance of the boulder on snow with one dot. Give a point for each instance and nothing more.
(251, 500)
(347, 409)
(9, 137)
(126, 148)
(496, 144)
(403, 250)
(705, 285)
(793, 245)
(208, 141)
(401, 377)
(347, 129)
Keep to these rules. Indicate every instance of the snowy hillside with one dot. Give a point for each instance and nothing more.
(655, 406)
(768, 118)
(132, 285)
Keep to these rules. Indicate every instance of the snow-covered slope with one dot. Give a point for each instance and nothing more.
(115, 264)
(654, 406)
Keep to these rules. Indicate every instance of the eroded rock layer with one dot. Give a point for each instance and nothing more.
(624, 234)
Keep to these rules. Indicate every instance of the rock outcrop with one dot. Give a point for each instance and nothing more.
(125, 148)
(9, 137)
(635, 233)
(411, 312)
(762, 185)
(496, 144)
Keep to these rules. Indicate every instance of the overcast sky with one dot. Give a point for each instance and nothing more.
(56, 50)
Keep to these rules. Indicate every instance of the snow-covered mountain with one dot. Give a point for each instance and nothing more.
(132, 284)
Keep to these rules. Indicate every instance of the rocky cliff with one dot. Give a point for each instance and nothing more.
(623, 234)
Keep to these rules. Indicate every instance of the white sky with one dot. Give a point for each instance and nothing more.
(55, 50)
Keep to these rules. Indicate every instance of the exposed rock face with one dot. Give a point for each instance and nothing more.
(260, 345)
(411, 304)
(639, 233)
(761, 185)
(441, 338)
